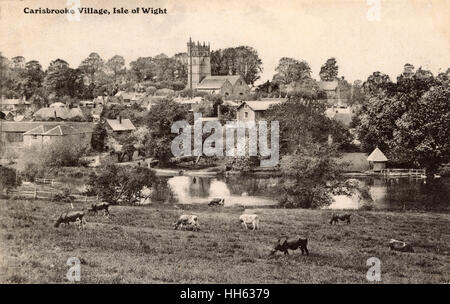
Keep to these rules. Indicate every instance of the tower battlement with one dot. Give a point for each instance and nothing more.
(197, 49)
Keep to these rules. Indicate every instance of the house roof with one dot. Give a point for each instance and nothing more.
(377, 156)
(59, 130)
(126, 125)
(328, 85)
(193, 100)
(14, 101)
(261, 105)
(215, 82)
(25, 126)
(57, 105)
(62, 113)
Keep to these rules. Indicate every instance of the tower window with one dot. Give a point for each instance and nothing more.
(246, 114)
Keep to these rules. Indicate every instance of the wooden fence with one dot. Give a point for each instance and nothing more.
(404, 172)
(49, 195)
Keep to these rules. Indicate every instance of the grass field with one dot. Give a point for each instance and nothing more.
(139, 245)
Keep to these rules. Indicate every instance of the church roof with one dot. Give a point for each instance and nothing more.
(377, 156)
(213, 82)
(260, 105)
(328, 85)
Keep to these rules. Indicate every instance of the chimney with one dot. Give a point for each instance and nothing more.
(55, 114)
(218, 111)
(119, 118)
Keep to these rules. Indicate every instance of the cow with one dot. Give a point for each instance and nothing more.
(188, 220)
(217, 202)
(71, 216)
(400, 246)
(335, 218)
(294, 243)
(100, 206)
(247, 219)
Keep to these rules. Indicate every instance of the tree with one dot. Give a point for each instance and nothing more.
(291, 70)
(116, 65)
(91, 66)
(329, 71)
(242, 60)
(159, 122)
(422, 135)
(308, 174)
(142, 69)
(406, 120)
(8, 179)
(61, 80)
(122, 185)
(33, 78)
(98, 137)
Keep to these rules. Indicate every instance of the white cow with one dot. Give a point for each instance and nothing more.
(189, 220)
(247, 219)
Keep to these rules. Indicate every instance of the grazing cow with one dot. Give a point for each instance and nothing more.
(71, 216)
(247, 219)
(284, 244)
(217, 202)
(400, 246)
(188, 220)
(100, 206)
(340, 217)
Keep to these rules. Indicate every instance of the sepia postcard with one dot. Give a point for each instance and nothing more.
(224, 142)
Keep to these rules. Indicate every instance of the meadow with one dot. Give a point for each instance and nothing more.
(139, 245)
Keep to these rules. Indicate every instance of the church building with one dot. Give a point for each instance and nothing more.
(231, 87)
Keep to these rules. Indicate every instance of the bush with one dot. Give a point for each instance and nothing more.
(8, 179)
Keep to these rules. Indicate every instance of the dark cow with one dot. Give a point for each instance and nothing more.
(340, 217)
(294, 243)
(71, 216)
(100, 206)
(217, 202)
(400, 246)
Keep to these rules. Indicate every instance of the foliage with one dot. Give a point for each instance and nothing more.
(306, 173)
(98, 137)
(409, 120)
(8, 178)
(159, 122)
(242, 60)
(121, 185)
(329, 71)
(291, 70)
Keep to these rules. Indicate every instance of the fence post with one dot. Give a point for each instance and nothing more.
(35, 192)
(85, 199)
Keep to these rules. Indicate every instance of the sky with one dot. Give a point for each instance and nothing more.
(408, 31)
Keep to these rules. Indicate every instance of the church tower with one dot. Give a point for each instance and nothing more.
(199, 64)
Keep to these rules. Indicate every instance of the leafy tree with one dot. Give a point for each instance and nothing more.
(33, 78)
(98, 137)
(142, 69)
(91, 66)
(307, 175)
(242, 60)
(8, 179)
(159, 122)
(61, 80)
(116, 65)
(122, 185)
(291, 70)
(329, 71)
(422, 135)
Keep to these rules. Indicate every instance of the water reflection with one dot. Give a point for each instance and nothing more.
(399, 193)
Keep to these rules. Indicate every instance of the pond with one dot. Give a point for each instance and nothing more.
(387, 194)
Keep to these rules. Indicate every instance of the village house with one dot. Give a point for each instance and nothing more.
(14, 104)
(44, 135)
(119, 126)
(254, 110)
(12, 133)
